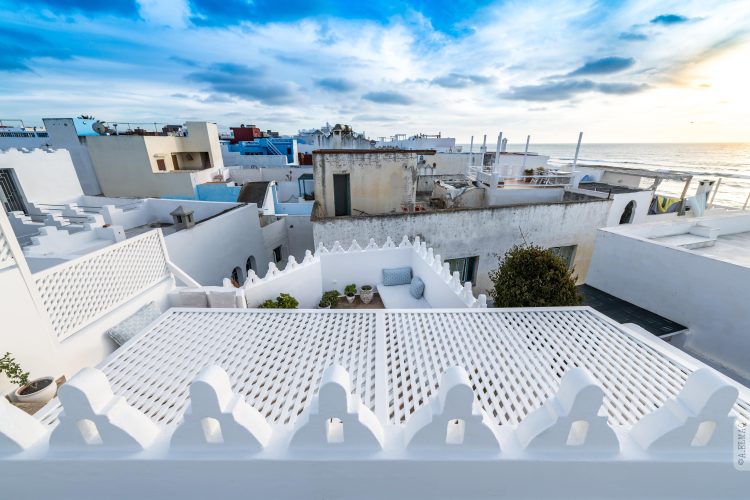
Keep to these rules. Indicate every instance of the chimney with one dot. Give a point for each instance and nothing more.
(183, 219)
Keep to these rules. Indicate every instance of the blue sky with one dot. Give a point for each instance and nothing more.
(620, 71)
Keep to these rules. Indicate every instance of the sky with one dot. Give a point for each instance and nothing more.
(631, 71)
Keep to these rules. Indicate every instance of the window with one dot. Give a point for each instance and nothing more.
(567, 253)
(466, 267)
(277, 255)
(161, 165)
(628, 213)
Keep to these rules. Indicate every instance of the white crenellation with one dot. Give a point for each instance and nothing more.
(219, 418)
(354, 247)
(337, 418)
(94, 416)
(574, 418)
(372, 245)
(404, 242)
(337, 248)
(452, 419)
(19, 431)
(697, 419)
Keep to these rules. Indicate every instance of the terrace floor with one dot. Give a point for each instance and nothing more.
(376, 303)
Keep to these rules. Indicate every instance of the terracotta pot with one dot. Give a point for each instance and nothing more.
(44, 394)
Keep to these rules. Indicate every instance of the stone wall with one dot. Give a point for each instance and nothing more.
(485, 233)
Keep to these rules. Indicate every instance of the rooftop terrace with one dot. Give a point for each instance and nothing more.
(417, 404)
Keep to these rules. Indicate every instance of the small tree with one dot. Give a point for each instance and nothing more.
(532, 276)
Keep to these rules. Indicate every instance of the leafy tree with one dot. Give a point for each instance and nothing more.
(532, 276)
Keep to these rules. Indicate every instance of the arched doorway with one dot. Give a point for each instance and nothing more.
(250, 264)
(237, 275)
(628, 213)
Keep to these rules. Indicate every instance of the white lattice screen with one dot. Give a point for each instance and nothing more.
(514, 359)
(82, 290)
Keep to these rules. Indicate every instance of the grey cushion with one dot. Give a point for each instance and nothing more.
(129, 328)
(397, 276)
(188, 297)
(223, 298)
(416, 289)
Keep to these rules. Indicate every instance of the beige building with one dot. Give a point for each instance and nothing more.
(159, 165)
(365, 182)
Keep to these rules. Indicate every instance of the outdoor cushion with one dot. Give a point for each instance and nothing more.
(188, 297)
(128, 328)
(417, 287)
(397, 276)
(224, 298)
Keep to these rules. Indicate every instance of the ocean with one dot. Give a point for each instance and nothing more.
(730, 161)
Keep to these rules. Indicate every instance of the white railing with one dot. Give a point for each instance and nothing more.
(80, 291)
(355, 452)
(6, 257)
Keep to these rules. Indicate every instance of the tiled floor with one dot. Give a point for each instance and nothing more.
(376, 303)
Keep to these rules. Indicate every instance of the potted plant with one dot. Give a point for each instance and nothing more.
(329, 300)
(528, 174)
(39, 390)
(283, 301)
(366, 293)
(350, 291)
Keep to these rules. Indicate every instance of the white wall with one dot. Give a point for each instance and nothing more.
(299, 230)
(43, 176)
(361, 268)
(707, 295)
(487, 233)
(63, 135)
(243, 175)
(210, 250)
(303, 284)
(642, 200)
(275, 235)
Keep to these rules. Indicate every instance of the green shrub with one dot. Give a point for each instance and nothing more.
(12, 369)
(532, 276)
(350, 290)
(330, 299)
(283, 301)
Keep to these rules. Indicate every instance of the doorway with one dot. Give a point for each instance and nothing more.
(341, 195)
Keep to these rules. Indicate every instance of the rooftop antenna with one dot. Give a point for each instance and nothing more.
(578, 148)
(497, 149)
(471, 152)
(526, 151)
(484, 149)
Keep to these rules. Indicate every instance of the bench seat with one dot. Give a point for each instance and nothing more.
(398, 297)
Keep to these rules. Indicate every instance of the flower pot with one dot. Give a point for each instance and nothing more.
(350, 298)
(46, 390)
(366, 293)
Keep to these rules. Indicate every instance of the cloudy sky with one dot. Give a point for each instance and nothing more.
(631, 71)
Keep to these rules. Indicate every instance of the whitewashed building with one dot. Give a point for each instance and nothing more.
(693, 270)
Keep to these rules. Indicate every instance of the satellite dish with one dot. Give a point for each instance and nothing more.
(99, 127)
